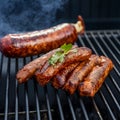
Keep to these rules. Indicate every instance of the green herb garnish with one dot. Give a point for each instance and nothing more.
(60, 55)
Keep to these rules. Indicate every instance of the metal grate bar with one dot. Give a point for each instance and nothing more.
(81, 41)
(24, 112)
(71, 108)
(119, 35)
(6, 100)
(16, 107)
(90, 43)
(103, 50)
(48, 104)
(97, 110)
(1, 62)
(26, 98)
(115, 38)
(37, 102)
(107, 106)
(16, 103)
(16, 93)
(36, 97)
(7, 92)
(109, 49)
(115, 83)
(84, 109)
(27, 103)
(105, 53)
(59, 106)
(114, 99)
(112, 43)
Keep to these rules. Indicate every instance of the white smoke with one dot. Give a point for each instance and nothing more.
(27, 15)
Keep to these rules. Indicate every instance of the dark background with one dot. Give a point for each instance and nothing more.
(28, 15)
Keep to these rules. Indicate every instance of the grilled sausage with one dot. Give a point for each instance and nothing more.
(44, 76)
(29, 69)
(79, 73)
(32, 43)
(96, 77)
(60, 78)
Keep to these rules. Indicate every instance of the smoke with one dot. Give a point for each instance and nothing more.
(28, 15)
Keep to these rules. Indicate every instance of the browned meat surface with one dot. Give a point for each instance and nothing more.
(80, 72)
(95, 78)
(29, 69)
(44, 76)
(32, 43)
(60, 78)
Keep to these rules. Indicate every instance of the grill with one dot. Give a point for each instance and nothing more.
(32, 102)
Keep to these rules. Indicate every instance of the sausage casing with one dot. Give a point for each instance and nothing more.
(80, 72)
(61, 77)
(42, 41)
(29, 69)
(95, 78)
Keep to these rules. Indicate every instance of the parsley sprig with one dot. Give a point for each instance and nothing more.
(60, 55)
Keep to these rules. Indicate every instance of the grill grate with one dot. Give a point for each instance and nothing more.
(31, 101)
